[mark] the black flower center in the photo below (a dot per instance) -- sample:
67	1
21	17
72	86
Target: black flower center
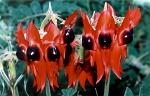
53	53
33	53
20	53
87	43
67	54
127	37
68	36
105	40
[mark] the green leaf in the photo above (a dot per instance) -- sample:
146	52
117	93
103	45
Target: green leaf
48	90
128	92
20	12
36	7
145	89
3	43
25	85
69	92
2	87
3	8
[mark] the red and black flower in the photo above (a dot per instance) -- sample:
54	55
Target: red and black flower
53	53
31	50
111	40
45	56
68	39
104	43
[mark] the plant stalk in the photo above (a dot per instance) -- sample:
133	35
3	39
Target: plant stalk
48	90
12	76
107	84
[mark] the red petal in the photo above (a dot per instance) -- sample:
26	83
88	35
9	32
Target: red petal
88	29
86	23
105	25
33	36
132	18
110	9
39	69
36	76
96	17
20	36
115	61
52	33
99	66
90	78
71	19
70	22
72	70
52	72
106	58
92	58
124	51
82	79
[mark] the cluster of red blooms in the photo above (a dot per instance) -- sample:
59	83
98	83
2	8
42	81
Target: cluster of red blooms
103	40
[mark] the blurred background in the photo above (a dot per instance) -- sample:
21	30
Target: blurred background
136	67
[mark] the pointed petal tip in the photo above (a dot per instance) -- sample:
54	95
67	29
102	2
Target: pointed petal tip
117	74
82	14
31	23
98	80
76	11
107	6
19	25
71	19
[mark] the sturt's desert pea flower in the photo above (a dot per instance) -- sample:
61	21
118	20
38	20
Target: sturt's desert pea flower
112	39
104	41
45	56
31	50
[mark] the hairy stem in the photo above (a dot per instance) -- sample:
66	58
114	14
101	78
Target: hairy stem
106	87
48	90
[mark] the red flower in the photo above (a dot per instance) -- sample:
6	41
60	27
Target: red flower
88	41
31	50
53	52
45	56
124	35
83	71
67	38
104	42
104	39
55	42
109	37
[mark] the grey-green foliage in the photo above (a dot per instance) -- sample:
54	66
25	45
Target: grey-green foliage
36	7
21	11
128	92
69	92
145	88
12	12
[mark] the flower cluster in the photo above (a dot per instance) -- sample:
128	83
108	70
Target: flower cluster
103	40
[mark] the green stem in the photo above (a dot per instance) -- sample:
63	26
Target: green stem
81	52
48	90
12	76
77	85
14	91
106	88
32	16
